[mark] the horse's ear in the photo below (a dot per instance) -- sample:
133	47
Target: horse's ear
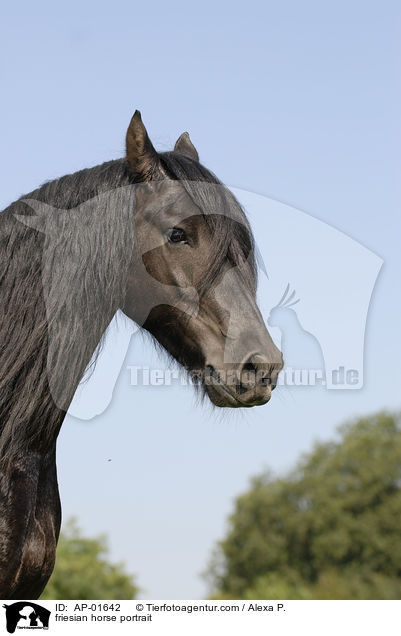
184	146
142	157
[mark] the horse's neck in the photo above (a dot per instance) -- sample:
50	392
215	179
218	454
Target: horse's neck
41	363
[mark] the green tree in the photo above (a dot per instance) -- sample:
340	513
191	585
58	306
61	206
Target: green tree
330	529
83	571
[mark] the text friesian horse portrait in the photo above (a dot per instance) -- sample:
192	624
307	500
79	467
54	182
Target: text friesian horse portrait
155	235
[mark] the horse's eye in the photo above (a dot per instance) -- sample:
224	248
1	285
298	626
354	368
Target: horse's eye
176	235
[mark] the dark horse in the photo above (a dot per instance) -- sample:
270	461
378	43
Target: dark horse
155	235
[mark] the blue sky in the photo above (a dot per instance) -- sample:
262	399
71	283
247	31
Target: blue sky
298	102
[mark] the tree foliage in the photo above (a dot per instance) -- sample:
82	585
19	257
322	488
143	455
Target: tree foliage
83	570
330	529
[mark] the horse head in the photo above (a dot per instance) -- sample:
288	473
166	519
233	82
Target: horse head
193	280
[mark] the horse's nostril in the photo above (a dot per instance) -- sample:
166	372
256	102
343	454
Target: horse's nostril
256	372
251	375
250	367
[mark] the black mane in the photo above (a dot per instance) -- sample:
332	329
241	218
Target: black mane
25	396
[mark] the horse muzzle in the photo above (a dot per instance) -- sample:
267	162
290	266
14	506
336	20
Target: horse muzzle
248	384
